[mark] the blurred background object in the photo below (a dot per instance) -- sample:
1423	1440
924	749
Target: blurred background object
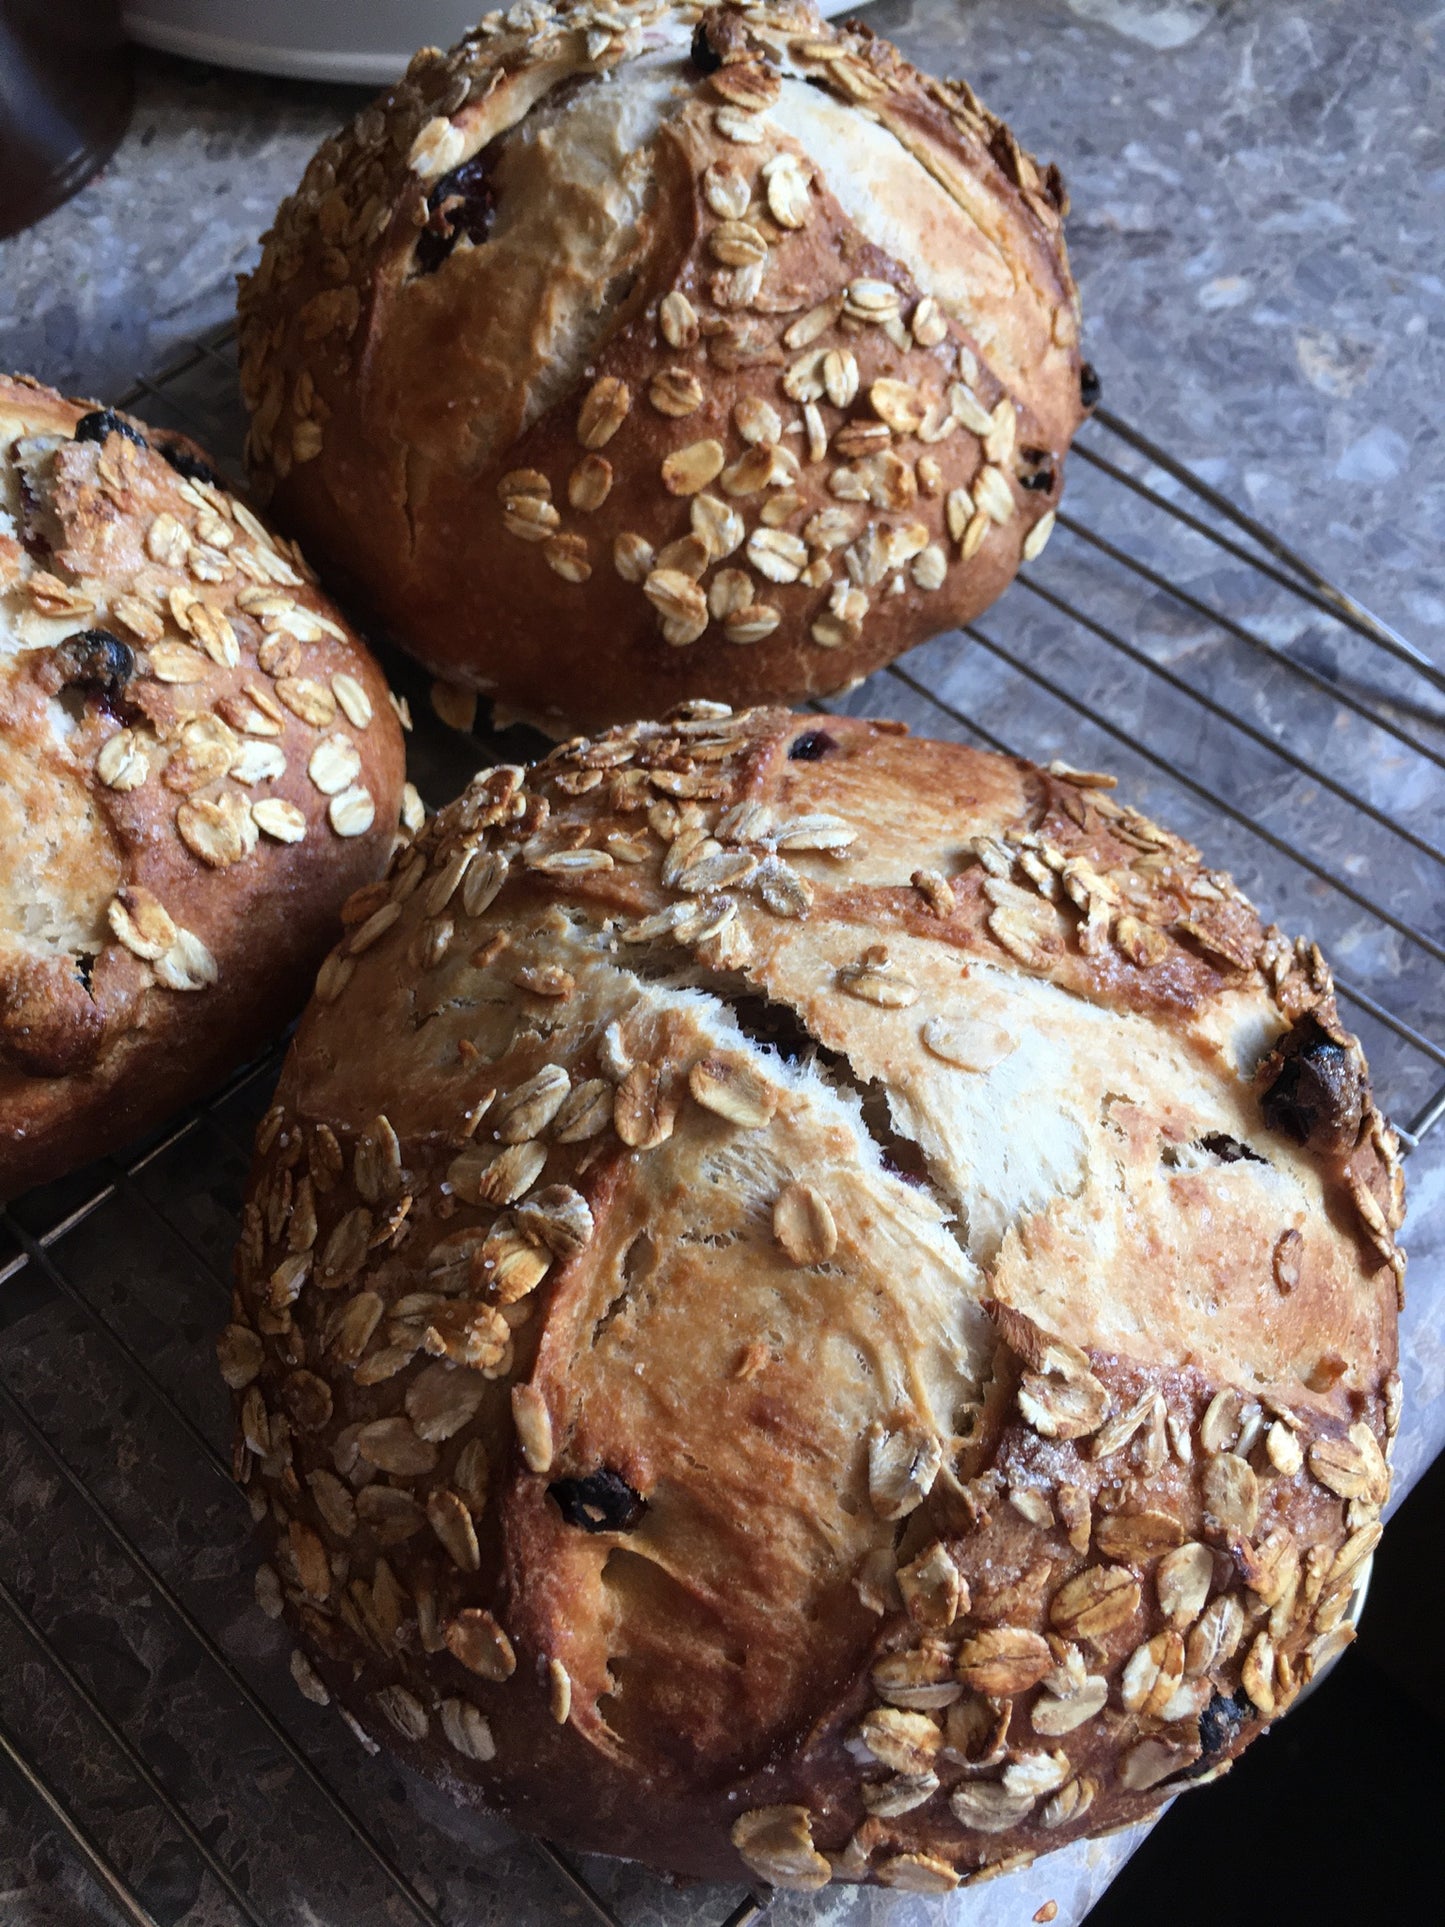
307	39
65	98
311	39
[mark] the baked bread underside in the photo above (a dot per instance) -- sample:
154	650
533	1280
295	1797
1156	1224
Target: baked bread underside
843	1313
628	355
198	762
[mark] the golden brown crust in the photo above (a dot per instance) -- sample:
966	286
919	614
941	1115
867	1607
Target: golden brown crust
185	721
772	458
846	1316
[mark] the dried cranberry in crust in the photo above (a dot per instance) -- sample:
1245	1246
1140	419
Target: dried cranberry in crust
97	658
704	55
463	202
1219	1726
1315	1094
101	423
1090	386
600	1501
811	746
191	466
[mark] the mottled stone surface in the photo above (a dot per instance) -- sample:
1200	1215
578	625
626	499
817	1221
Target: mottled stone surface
1259	191
147	254
1258	213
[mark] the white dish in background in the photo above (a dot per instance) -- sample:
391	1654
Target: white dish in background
314	39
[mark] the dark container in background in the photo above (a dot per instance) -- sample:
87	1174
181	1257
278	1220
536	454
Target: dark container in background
65	98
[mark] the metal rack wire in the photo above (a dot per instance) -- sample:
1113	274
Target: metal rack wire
1245	699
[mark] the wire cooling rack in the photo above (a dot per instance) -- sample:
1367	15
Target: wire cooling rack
144	1710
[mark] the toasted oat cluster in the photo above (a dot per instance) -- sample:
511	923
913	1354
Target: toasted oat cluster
632	353
815	1304
198	762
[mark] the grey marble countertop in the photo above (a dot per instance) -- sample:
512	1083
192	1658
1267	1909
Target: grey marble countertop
1259	200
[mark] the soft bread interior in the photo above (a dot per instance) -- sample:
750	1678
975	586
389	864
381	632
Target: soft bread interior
576	179
58	863
895	203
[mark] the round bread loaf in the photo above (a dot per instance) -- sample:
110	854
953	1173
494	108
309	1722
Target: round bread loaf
843	1323
198	762
630	354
